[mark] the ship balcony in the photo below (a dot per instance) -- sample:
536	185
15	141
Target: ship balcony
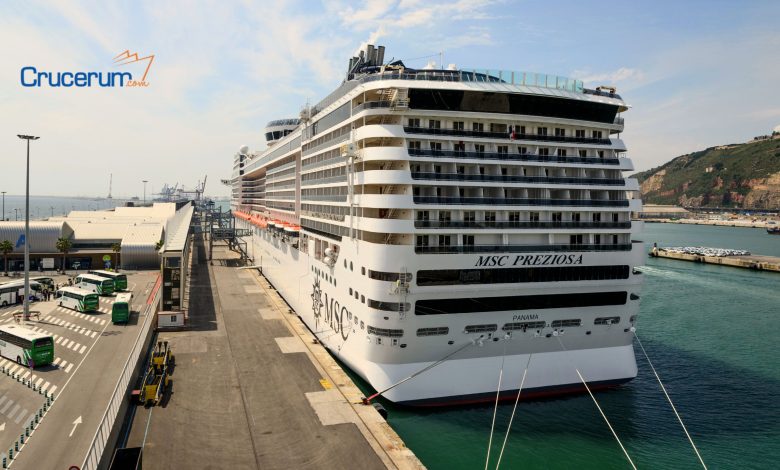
493	248
525	224
632	184
519	179
496	201
519	157
505	136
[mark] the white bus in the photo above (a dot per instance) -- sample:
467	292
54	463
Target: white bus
74	298
13	292
26	347
97	284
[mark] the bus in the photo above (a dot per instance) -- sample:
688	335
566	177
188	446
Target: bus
13	292
78	299
45	282
25	346
96	284
120	312
120	280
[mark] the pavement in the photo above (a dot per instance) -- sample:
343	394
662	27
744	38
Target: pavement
246	392
90	352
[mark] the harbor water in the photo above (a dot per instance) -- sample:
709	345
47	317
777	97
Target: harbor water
711	332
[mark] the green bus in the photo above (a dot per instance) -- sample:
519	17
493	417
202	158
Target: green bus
120	280
96	284
120	311
25	346
81	300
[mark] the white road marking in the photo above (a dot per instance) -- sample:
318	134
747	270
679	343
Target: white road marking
53	388
38	382
93	334
58	340
20	416
13	410
67	369
3	398
13	369
83	348
7	405
45	386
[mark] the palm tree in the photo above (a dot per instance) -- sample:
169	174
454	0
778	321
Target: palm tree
63	246
6	247
116	248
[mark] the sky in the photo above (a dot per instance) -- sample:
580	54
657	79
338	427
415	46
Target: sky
696	73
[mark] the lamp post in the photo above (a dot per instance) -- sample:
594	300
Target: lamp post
3	217
28	138
145	181
16	213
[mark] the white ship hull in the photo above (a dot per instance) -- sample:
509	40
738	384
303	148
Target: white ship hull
552	356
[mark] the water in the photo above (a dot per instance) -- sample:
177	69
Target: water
47	206
711	333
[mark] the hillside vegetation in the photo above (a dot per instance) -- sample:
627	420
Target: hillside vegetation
738	175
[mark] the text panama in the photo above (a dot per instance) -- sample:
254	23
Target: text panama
529	260
31	77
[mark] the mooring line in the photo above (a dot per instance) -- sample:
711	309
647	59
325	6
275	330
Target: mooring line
625	452
366	401
495	408
514	408
663	388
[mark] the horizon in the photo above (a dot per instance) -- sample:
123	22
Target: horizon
695	79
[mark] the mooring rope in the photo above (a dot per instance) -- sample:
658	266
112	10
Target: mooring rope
366	401
625	452
663	388
514	408
495	408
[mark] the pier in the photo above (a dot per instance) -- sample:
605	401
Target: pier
252	388
755	262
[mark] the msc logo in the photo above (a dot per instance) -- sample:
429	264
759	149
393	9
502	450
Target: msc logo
31	77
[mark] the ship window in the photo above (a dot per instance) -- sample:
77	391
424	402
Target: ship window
457	125
480	328
469	216
444	240
522	150
444	277
583	153
363	270
544	152
526	325
490	216
579	133
434	124
363	299
606	321
436	331
445	216
601	154
414	122
461	170
350	266
479	148
520	302
575	239
597	134
391	277
561	152
389	306
345	264
385	332
504	171
477	127
563	323
634	296
468	240
514	216
541	131
422	240
356	295
557	216
560	132
350	291
414	144
423	215
435	146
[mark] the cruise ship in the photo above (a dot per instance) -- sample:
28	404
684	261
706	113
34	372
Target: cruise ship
453	225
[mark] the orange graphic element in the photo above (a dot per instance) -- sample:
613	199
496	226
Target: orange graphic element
126	57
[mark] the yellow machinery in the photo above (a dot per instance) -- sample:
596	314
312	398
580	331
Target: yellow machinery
157	377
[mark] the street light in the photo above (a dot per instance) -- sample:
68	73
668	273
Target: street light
145	181
3	218
28	138
16	213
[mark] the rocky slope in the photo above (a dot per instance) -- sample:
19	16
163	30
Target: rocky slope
738	175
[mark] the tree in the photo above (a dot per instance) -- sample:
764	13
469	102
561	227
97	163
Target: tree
158	246
6	247
63	245
116	248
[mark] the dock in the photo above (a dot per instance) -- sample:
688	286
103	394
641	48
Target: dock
252	388
754	262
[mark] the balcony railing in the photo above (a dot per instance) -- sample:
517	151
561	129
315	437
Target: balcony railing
518	248
509	201
523	157
518	179
505	135
520	224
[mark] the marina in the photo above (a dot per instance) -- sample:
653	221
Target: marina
724	257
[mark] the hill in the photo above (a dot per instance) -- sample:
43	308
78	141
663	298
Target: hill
737	175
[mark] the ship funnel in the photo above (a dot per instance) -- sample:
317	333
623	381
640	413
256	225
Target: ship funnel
380	59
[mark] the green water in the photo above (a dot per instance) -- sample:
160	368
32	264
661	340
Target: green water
712	333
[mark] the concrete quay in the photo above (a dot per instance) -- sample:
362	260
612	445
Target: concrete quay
253	390
754	262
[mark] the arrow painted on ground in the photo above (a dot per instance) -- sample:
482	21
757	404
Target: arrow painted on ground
2	427
76	422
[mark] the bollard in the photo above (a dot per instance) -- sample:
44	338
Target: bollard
5	464
21	438
11	454
27	431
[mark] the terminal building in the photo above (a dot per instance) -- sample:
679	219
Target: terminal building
139	233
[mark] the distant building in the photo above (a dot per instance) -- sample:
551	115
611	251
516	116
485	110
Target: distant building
657	211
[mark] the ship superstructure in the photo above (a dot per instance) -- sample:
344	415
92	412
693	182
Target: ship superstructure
461	218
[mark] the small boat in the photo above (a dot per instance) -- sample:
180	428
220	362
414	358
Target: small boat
773	229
